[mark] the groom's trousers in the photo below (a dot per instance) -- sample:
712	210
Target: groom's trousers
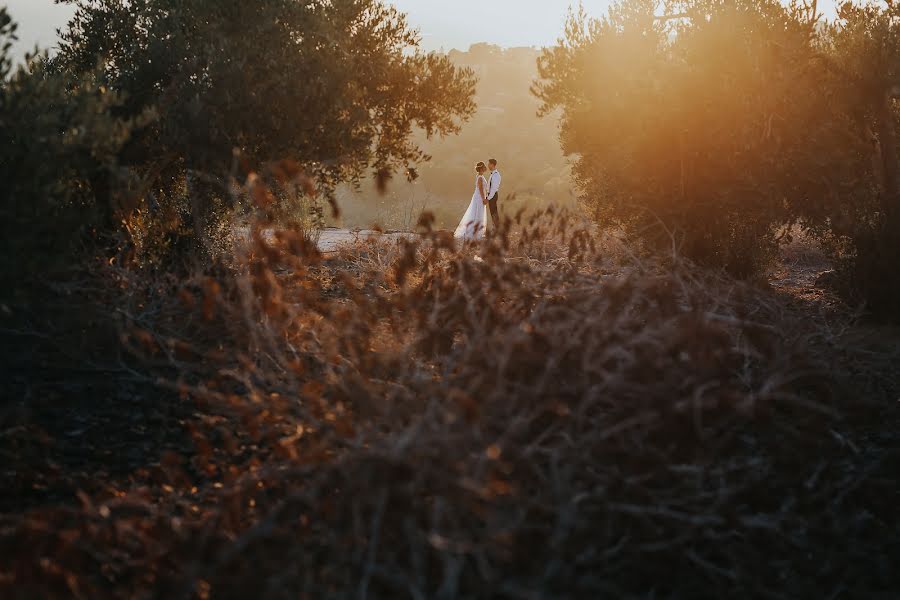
495	212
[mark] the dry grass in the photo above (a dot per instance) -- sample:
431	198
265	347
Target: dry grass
545	415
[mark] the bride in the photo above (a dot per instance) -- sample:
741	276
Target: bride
474	221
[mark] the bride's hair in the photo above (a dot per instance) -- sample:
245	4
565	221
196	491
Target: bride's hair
480	167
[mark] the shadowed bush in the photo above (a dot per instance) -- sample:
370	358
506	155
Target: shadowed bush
413	420
59	139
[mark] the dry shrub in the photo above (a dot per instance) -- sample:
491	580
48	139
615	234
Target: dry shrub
544	415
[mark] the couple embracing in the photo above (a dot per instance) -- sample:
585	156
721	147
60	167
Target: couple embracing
487	193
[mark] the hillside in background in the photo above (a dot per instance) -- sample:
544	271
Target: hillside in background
506	127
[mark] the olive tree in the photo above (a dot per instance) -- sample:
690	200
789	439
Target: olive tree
861	50
59	134
708	123
339	87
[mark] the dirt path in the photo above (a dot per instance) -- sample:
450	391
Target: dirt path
799	275
333	238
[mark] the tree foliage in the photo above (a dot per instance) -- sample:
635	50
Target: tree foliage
337	86
187	100
863	52
59	134
720	120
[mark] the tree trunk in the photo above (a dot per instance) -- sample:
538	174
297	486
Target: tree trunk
887	138
198	216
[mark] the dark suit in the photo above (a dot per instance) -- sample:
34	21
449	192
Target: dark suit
495	210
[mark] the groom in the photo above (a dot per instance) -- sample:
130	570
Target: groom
494	194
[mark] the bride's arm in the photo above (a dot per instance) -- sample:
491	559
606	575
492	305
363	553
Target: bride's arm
481	189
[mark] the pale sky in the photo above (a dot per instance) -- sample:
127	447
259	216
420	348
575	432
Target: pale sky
443	23
38	21
460	23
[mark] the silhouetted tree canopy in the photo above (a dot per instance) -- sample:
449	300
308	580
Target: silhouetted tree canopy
58	134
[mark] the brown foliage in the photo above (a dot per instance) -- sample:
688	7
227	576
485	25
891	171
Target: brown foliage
541	414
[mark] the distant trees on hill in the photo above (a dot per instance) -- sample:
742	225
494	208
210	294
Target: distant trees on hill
506	126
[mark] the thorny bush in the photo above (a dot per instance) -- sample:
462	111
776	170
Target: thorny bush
543	415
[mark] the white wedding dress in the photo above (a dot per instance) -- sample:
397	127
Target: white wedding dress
474	221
